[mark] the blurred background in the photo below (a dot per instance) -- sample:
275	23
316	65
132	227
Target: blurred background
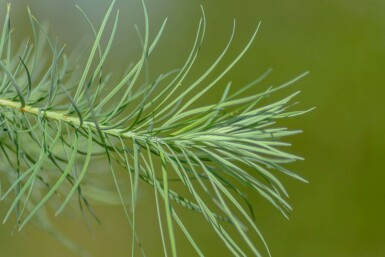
340	213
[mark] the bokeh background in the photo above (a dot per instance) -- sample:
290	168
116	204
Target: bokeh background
340	213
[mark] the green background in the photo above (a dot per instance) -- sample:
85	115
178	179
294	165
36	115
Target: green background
340	213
